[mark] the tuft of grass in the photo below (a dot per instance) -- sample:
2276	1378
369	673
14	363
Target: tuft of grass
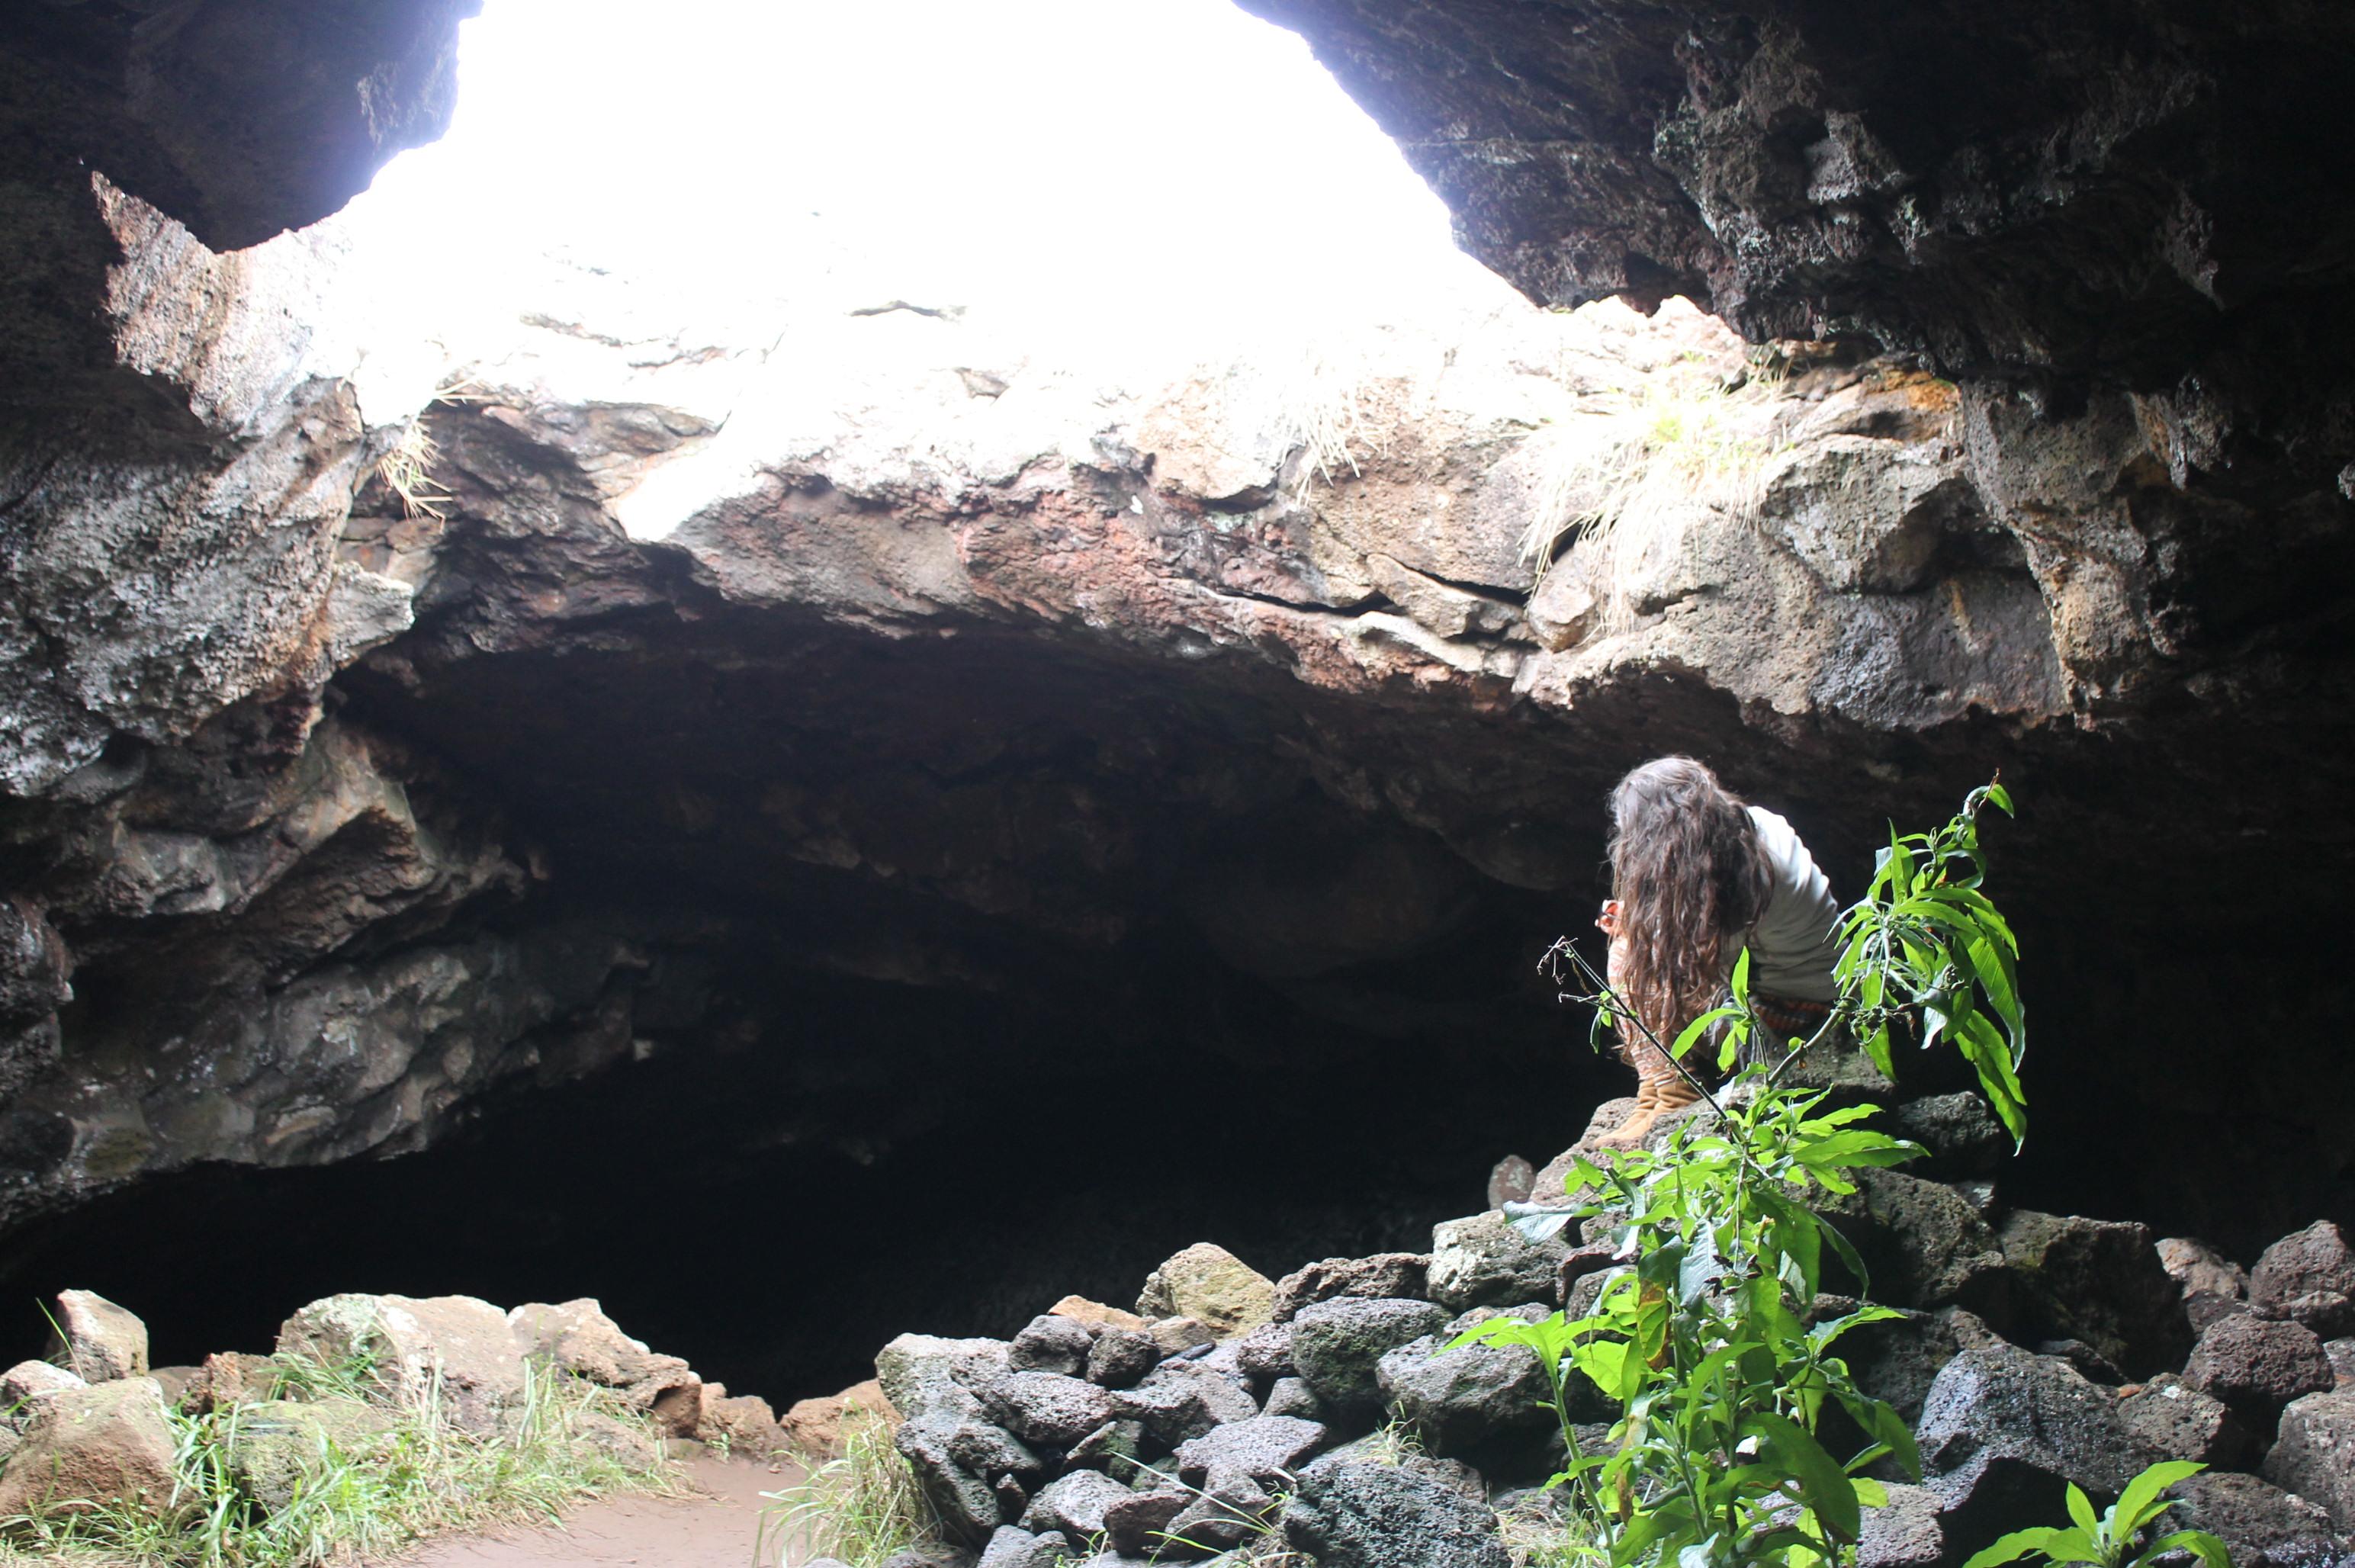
418	1476
1685	444
1536	1535
407	471
861	1508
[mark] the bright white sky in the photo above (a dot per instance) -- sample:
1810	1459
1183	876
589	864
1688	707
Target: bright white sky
1123	166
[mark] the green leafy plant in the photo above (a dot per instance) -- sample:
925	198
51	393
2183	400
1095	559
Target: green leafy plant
1718	1457
2110	1540
860	1507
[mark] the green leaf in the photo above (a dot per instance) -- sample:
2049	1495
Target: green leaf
2198	1542
1826	1488
2081	1509
1870	1493
2073	1546
2140	1502
2012	1548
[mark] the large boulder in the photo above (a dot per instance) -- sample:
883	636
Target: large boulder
1182	1399
2002	1431
1212	1285
577	1337
1904	1532
1362	1515
105	1442
1050	1343
281	1445
919	1374
815	1426
2314	1454
1074	1505
1482	1261
1338	1345
2099	1281
2308	1275
97	1338
453	1348
1458	1400
2258	1365
2261	1525
1383	1276
1928	1247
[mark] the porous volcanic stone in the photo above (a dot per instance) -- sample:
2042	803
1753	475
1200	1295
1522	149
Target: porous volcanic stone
1075	1505
2258	1365
1458	1400
1051	1344
919	1373
579	1337
1047	1407
2314	1454
1928	1246
1113	1448
1383	1276
1212	1285
1292	1396
1337	1345
1179	1400
1905	1534
1266	1353
28	1380
1363	1515
1267	1448
2176	1422
1134	1523
2212	1285
2099	1281
2261	1525
2003	1430
455	1347
1961	1134
940	1445
2308	1275
1121	1355
1482	1260
280	1443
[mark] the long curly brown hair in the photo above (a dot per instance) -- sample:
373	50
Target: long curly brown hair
1690	880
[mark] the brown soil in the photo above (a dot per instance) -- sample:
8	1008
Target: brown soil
716	1528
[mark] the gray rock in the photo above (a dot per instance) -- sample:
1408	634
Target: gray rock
1121	1355
930	1554
2176	1422
1383	1276
1267	1448
1586	1259
2342	1359
1212	1285
2258	1365
1385	1448
1382	1516
2212	1285
1047	1407
1458	1400
1294	1397
1897	1360
1511	1180
452	1348
1482	1260
2003	1430
1179	1400
2308	1275
2314	1454
2261	1525
1011	1546
1338	1345
1905	1534
99	1340
1928	1247
1051	1344
1136	1523
919	1373
1266	1353
2098	1281
1961	1134
966	1501
1232	1510
1074	1506
1113	1448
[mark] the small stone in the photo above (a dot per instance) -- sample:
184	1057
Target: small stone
1267	1448
99	1340
1179	1400
1051	1344
2212	1285
1113	1448
1511	1181
1902	1533
1383	1276
1382	1516
2341	1353
1074	1506
1120	1357
1212	1285
1134	1523
1292	1396
2180	1422
1079	1309
1047	1407
28	1380
2258	1365
740	1424
1266	1353
1175	1335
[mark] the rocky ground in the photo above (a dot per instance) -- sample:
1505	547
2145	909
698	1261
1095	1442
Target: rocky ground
1231	1416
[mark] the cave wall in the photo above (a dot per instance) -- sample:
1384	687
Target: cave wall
333	827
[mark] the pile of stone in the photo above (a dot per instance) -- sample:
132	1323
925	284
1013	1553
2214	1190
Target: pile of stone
1230	1414
88	1425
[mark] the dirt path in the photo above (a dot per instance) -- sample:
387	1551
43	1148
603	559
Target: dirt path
715	1530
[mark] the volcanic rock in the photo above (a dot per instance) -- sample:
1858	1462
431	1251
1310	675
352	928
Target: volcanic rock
1337	1346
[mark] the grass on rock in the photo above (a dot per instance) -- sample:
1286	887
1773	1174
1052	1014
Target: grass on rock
861	1508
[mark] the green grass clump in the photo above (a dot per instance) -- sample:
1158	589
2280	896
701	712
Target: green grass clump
861	1508
414	1476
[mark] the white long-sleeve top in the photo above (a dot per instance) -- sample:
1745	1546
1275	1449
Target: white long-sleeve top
1795	942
